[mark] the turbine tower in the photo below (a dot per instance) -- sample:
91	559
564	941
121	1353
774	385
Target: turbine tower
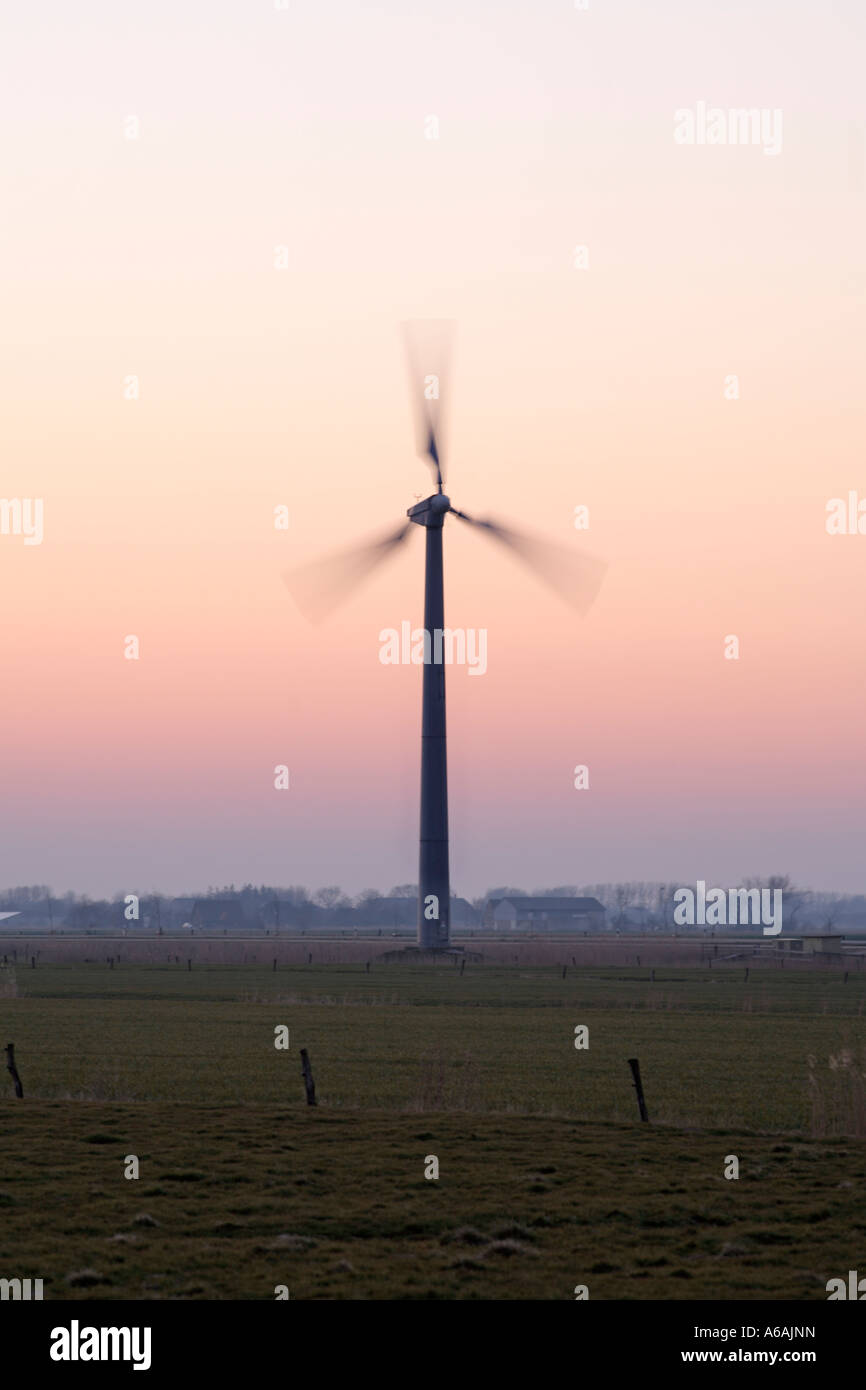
319	587
434	880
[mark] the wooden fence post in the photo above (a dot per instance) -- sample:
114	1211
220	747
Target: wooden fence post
13	1070
307	1072
635	1071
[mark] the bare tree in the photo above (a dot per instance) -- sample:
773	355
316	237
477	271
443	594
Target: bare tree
797	900
621	895
328	897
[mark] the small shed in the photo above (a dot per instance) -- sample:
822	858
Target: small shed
828	944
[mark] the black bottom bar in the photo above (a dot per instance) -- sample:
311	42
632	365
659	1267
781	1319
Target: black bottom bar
222	1339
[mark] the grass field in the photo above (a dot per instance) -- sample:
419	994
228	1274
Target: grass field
547	1177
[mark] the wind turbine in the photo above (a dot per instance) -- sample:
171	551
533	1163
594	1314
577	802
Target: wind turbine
319	587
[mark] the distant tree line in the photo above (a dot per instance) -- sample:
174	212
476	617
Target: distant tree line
633	905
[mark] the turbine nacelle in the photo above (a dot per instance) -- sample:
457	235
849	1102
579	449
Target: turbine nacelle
430	512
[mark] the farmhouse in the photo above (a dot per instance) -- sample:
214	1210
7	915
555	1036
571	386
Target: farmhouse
544	914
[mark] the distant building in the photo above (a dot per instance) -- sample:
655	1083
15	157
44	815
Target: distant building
218	914
463	914
824	945
403	912
544	914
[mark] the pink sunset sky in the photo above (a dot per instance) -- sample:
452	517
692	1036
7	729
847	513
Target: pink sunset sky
602	387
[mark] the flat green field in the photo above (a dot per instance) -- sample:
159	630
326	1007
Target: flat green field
547	1178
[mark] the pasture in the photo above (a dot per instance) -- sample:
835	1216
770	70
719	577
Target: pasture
547	1177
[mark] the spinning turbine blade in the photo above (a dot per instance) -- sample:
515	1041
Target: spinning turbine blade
320	587
427	353
575	576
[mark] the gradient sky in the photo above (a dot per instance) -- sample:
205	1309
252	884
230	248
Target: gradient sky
603	387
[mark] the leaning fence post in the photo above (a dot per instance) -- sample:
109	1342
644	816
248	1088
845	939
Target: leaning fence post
309	1083
635	1071
13	1070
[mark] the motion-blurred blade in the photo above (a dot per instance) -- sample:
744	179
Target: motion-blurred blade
576	576
320	587
428	346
